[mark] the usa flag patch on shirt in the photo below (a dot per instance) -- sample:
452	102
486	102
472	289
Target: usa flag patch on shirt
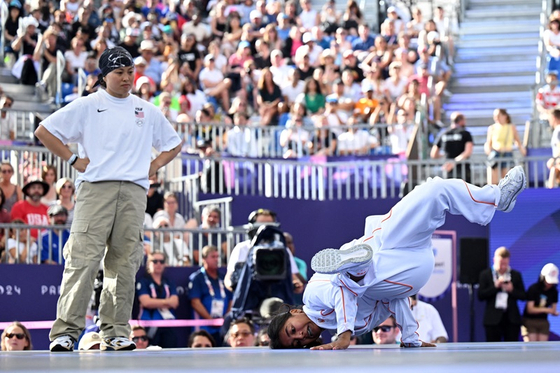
138	112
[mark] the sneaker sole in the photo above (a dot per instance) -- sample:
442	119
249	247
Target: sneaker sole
511	204
333	261
59	348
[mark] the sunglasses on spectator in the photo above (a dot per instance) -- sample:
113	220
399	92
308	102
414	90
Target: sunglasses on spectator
164	226
7	171
383	328
243	333
17	335
158	261
141	338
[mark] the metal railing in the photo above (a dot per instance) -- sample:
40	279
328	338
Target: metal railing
182	247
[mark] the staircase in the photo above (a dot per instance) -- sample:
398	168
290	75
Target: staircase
495	63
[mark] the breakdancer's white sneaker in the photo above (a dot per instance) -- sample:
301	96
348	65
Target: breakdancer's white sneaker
510	186
353	260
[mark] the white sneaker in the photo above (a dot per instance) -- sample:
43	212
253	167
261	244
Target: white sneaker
117	344
334	261
63	343
510	186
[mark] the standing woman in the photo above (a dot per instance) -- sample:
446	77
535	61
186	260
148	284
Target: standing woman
542	299
49	177
499	145
65	191
115	132
12	192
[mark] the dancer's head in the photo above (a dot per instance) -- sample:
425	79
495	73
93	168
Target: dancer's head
293	329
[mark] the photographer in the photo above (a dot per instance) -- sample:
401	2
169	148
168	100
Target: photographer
501	287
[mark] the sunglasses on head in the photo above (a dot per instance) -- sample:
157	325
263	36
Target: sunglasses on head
158	261
17	335
383	328
141	338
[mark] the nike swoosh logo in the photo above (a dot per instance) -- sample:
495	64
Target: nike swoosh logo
101	111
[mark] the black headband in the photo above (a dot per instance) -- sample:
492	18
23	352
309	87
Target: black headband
112	59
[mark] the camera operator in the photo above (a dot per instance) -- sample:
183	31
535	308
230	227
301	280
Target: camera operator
501	287
239	253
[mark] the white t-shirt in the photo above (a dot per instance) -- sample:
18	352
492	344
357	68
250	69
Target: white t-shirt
354	141
197	100
554	38
31	250
212	76
116	134
396	90
78	61
555	141
292	92
7	125
430	325
308	18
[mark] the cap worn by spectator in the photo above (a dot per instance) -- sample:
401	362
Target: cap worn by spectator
140	61
36	182
307	37
141	81
347	54
244	44
367	87
391	9
327	53
30	21
550	273
159	220
208	58
57	210
330	99
147	45
90	341
133	32
255	14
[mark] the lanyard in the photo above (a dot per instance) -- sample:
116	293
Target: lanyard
154	294
211	288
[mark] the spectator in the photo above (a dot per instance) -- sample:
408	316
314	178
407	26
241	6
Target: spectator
232	35
21	247
195	96
323	141
262	338
139	336
242	54
214	83
553	163
90	341
499	145
241	141
271	37
548	96
7	120
31	211
313	49
75	60
158	300
430	326
393	16
219	21
208	295
416	24
241	333
352	17
45	54
355	141
196	27
12	192
170	208
16	337
294	138
308	17
284	27
153	67
280	71
173	247
26	43
165	105
48	175
335	117
211	217
501	287
262	58
457	146
396	83
130	41
11	26
54	239
330	17
399	132
312	96
364	42
551	39
201	339
268	98
293	88
386	333
4	218
542	299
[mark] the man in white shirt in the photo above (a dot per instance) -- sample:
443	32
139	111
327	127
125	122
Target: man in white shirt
430	326
7	121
